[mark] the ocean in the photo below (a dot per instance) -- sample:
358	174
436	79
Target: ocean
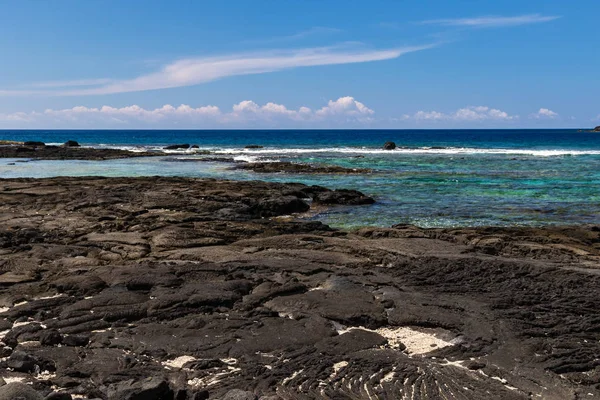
435	178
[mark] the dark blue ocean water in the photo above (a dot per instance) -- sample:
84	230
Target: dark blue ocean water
434	178
489	138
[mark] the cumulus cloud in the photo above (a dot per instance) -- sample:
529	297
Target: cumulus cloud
343	110
544	113
492	21
471	113
132	112
194	71
346	106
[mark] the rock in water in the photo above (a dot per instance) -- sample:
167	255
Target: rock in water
286	166
389	146
177	146
597	129
71	143
254	146
34	143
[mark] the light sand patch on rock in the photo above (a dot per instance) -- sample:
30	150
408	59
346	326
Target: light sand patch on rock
212	379
417	342
178	362
337	367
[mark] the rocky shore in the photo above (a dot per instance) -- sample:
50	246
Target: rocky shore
172	288
40	151
289	167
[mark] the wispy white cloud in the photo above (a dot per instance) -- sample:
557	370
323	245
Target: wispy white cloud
544	113
492	21
194	71
314	31
471	113
65	84
343	110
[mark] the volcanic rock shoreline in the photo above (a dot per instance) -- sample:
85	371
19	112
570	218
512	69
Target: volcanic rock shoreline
40	151
172	288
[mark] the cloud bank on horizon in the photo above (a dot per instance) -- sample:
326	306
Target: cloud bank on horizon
345	111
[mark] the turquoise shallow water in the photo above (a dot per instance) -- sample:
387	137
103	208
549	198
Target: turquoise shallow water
435	178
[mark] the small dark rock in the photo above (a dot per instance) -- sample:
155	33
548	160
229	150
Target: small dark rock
153	388
177	146
289	167
389	146
254	146
5	325
194	146
204	364
71	143
342	197
59	396
20	391
34	143
21	362
199	395
50	338
237	394
474	365
5	351
387	303
283	205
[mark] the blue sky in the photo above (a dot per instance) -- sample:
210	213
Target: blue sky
299	64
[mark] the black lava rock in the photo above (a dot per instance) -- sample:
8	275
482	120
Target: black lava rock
21	391
50	338
21	362
59	396
389	146
237	394
153	388
71	143
177	146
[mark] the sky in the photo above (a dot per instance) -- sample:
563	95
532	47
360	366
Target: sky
94	64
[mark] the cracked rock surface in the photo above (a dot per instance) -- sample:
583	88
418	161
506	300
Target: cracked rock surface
172	288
